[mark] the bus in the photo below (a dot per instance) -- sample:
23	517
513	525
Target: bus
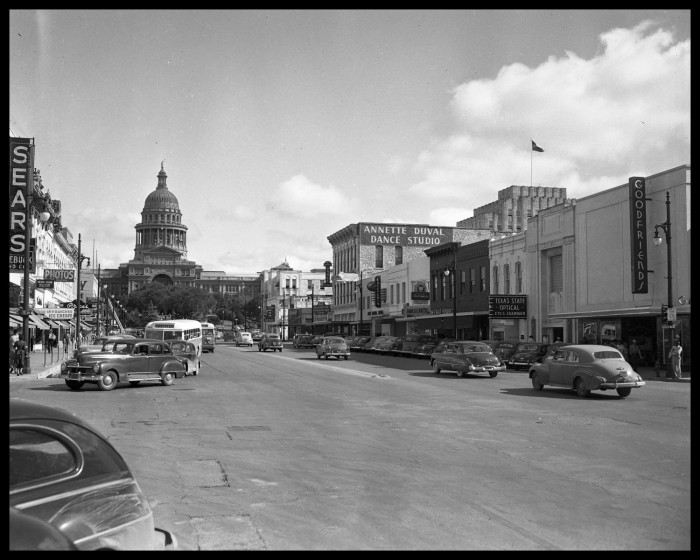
208	337
177	329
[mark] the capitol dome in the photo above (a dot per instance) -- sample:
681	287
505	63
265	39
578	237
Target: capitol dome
161	199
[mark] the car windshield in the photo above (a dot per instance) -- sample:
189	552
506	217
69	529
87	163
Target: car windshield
476	348
528	347
607	355
335	341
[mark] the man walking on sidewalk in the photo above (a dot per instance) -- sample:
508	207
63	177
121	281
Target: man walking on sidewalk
675	355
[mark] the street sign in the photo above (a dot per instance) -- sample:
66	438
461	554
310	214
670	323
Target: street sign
67	275
44	284
56	313
671	314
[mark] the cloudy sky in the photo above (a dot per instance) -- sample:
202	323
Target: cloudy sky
279	128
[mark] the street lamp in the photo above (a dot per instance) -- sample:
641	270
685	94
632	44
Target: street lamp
245	319
452	271
313	314
666	227
79	261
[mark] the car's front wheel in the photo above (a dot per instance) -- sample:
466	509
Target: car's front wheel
624	392
493	373
581	390
460	373
167	378
75	385
346	357
537	385
108	381
436	368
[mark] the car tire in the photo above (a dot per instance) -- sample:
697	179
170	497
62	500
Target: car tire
318	356
108	381
436	368
167	378
536	385
346	357
581	390
134	383
74	385
624	392
460	373
493	373
325	356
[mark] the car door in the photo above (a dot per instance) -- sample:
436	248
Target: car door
569	368
137	364
158	354
561	367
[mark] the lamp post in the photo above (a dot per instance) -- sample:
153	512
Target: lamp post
97	313
43	217
245	319
79	261
452	271
361	310
313	315
666	227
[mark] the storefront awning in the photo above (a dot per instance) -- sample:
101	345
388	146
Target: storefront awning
15	320
34	320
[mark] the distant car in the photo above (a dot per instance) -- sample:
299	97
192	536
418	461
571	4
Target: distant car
314	340
466	356
503	349
188	351
270	341
244	339
219	335
585	368
397	346
306	341
367	344
257	336
332	347
63	472
357	342
140	359
98	343
527	353
413	341
426	349
383	344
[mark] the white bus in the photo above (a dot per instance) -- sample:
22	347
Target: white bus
208	337
177	329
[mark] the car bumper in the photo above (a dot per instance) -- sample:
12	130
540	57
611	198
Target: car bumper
621	384
488	368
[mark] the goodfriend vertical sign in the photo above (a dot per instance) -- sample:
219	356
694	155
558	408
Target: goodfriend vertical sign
638	234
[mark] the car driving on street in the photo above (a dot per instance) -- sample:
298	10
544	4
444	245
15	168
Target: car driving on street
464	356
332	347
270	341
585	368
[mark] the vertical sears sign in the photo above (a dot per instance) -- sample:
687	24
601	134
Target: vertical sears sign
638	234
21	177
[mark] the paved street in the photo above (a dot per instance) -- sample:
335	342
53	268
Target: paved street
280	451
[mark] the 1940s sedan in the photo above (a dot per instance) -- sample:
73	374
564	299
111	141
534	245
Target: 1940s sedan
138	360
72	489
585	368
464	356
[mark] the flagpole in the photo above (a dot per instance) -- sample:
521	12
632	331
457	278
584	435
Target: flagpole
531	150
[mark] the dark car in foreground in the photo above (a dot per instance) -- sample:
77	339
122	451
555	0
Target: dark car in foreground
270	341
140	359
526	354
585	368
465	356
65	473
332	347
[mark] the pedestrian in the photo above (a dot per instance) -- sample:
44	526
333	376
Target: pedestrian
50	341
622	349
20	355
14	337
66	342
636	358
675	355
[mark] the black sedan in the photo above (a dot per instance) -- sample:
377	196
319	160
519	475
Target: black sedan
66	474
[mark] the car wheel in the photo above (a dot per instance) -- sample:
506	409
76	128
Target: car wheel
436	368
325	356
167	378
108	381
75	385
624	392
318	356
280	349
493	373
134	383
581	390
259	349
536	385
460	373
346	357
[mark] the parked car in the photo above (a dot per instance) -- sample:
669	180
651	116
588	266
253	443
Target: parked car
307	341
503	349
243	339
527	353
332	347
295	340
65	473
357	343
188	351
367	344
98	343
425	350
315	340
397	346
257	336
270	341
140	359
585	368
466	356
383	344
413	341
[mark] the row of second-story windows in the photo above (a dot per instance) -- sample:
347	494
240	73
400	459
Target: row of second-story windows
397	293
505	288
442	284
379	255
176	271
162	219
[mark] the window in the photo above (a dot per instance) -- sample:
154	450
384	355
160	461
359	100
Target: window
495	280
398	252
36	457
435	287
518	278
462	282
472	280
482	279
555	271
378	256
506	278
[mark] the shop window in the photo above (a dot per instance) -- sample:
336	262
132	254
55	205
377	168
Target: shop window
506	279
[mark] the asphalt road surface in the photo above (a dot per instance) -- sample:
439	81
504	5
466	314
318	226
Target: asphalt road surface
281	451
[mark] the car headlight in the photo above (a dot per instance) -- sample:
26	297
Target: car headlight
96	368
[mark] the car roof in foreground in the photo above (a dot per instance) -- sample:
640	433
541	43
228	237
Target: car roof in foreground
23	409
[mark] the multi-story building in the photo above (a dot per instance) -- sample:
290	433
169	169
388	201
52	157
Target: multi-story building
507	259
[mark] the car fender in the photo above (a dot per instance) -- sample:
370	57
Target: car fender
542	373
591	382
173	366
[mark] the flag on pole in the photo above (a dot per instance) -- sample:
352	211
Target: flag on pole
535	147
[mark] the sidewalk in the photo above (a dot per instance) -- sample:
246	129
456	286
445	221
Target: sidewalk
41	371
